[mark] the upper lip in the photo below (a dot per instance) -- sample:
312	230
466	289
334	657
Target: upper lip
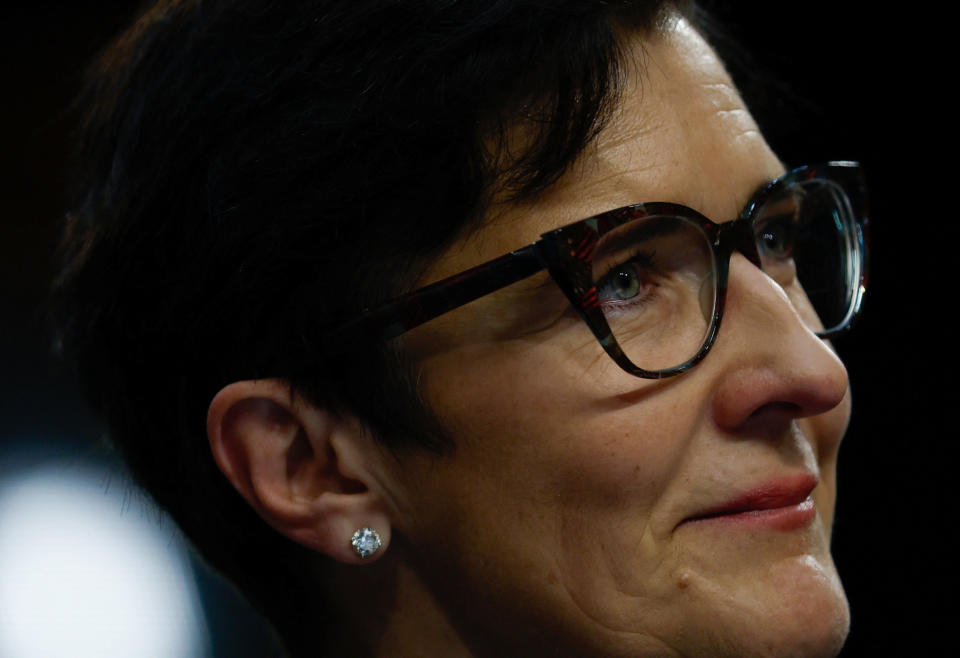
772	494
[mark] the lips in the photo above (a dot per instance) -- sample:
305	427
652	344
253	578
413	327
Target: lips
782	504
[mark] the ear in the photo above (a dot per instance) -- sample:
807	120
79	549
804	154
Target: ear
308	472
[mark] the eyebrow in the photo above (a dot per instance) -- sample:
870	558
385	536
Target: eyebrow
633	233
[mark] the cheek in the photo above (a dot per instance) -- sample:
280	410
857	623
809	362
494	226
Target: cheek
578	463
534	409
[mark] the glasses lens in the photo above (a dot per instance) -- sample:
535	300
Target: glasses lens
808	243
656	284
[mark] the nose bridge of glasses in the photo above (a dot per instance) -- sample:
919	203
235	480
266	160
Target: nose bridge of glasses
738	235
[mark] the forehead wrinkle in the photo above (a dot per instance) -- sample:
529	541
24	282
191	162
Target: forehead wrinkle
722	94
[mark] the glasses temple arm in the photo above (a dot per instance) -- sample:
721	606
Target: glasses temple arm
415	308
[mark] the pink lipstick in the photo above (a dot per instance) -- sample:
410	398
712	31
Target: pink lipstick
781	504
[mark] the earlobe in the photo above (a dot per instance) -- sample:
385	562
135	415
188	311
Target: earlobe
305	470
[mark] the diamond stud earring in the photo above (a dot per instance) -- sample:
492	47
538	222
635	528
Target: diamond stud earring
366	542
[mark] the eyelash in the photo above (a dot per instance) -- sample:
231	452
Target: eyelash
646	258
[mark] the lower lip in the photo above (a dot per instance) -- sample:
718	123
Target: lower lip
790	517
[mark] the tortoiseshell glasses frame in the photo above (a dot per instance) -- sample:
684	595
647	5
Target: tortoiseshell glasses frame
567	253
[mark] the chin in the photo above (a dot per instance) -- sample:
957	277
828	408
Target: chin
816	615
795	609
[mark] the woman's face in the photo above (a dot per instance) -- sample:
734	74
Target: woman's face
566	520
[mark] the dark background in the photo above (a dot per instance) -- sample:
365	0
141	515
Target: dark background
848	82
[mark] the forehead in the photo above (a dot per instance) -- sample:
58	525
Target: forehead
681	133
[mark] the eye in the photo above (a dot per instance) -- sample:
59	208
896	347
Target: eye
776	237
627	281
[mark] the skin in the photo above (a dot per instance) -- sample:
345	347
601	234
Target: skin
557	525
561	508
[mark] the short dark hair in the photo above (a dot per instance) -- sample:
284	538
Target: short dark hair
251	173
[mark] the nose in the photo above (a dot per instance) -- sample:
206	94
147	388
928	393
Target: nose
771	367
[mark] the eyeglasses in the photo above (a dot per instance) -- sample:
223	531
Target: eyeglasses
650	279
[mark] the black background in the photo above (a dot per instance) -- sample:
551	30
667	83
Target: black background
875	87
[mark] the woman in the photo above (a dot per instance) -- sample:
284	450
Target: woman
561	452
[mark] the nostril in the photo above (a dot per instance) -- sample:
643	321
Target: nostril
781	408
